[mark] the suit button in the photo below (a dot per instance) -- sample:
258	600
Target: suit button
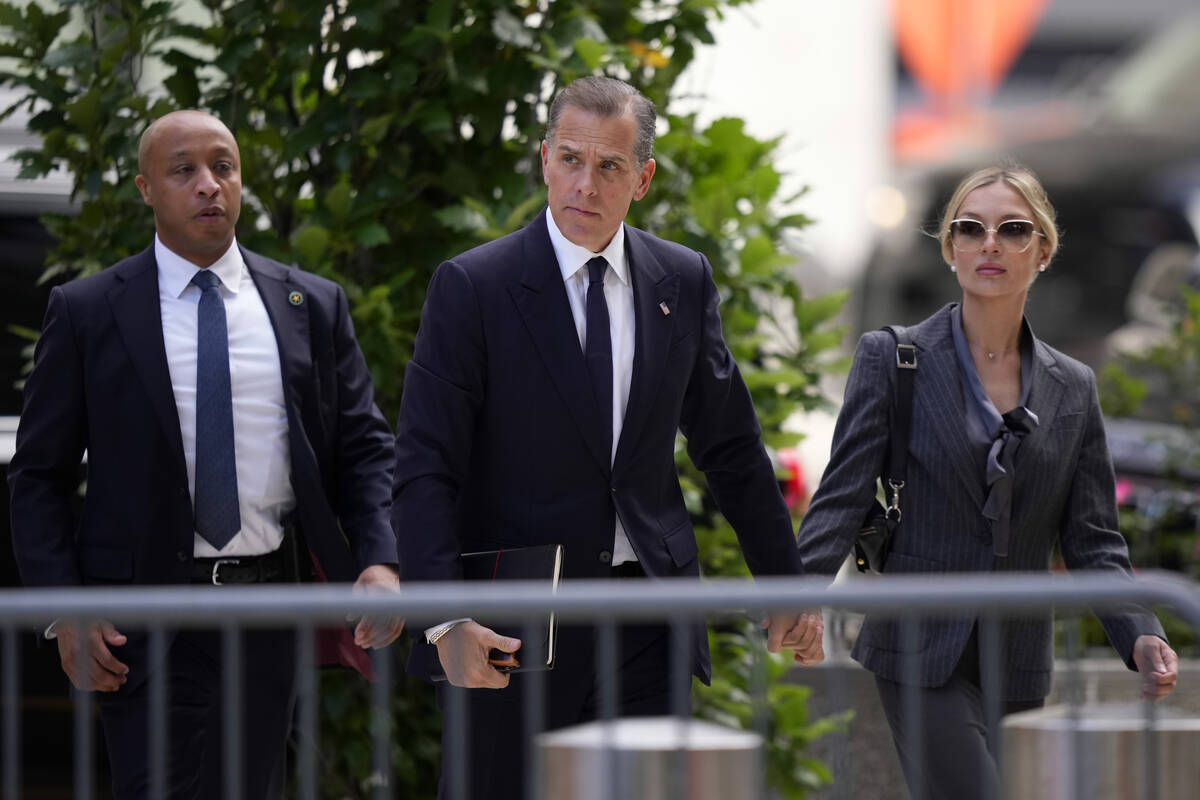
614	490
182	491
605	557
182	555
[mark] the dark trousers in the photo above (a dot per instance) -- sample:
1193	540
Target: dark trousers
488	756
953	754
195	717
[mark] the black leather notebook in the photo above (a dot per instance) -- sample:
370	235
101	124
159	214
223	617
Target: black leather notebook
537	563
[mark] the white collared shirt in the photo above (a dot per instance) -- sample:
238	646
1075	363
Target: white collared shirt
260	425
618	294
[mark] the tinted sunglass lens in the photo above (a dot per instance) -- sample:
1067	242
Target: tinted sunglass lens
968	230
1016	231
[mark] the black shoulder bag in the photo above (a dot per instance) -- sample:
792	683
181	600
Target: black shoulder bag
874	540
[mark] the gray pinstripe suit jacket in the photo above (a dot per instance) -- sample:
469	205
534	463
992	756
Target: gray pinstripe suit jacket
1063	492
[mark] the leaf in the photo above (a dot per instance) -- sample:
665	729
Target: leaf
372	235
511	30
440	13
759	250
10	16
524	212
374	129
435	121
820	309
184	88
29	334
310	243
339	198
591	51
461	218
72	55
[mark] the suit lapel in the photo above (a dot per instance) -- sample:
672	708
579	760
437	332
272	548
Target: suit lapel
541	299
1045	394
138	314
939	391
287	306
652	286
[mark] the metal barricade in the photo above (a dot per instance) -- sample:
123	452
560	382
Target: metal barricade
232	610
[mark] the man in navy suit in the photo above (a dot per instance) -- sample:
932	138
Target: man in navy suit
551	372
230	430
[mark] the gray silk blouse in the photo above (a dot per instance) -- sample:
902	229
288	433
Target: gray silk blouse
995	438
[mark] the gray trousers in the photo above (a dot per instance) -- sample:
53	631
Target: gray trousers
942	735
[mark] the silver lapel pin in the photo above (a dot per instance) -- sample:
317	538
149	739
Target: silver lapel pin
666	311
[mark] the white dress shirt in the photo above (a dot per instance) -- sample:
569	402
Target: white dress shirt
260	425
618	294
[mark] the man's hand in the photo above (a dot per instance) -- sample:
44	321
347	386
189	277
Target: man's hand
374	631
801	633
464	656
103	672
1158	666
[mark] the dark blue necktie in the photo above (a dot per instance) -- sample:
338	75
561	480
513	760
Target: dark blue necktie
598	351
217	516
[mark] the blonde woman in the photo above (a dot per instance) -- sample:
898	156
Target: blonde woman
1007	458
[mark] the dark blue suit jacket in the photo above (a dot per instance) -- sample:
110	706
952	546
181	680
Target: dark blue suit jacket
100	383
498	445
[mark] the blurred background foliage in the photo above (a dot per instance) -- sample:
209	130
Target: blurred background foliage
380	138
1161	520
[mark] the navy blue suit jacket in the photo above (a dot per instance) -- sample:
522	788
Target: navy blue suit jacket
498	444
100	383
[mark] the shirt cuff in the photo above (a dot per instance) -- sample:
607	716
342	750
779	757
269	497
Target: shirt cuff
432	628
50	633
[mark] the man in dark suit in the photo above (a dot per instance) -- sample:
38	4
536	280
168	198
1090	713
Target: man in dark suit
230	430
552	370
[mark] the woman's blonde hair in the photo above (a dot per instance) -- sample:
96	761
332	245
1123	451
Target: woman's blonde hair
1020	178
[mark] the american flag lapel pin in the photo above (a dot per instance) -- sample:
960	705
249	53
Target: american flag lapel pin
666	311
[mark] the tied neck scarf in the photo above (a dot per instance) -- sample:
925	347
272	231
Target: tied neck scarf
1004	432
1014	426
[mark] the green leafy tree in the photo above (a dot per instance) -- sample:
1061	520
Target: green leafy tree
717	191
378	139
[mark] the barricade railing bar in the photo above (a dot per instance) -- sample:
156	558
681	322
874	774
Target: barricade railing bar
303	608
898	595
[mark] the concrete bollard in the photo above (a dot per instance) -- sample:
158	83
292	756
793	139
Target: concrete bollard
650	758
1100	752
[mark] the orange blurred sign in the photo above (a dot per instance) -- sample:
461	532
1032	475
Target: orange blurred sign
956	48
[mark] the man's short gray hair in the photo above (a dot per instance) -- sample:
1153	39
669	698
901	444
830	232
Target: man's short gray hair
607	97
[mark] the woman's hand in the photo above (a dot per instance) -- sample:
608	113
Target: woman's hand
1158	666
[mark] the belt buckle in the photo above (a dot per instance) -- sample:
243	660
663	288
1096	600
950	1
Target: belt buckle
217	565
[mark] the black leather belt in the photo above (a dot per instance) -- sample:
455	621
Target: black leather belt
268	568
628	569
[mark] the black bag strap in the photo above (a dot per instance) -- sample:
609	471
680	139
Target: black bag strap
906	372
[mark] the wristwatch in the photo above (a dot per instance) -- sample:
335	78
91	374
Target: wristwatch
441	631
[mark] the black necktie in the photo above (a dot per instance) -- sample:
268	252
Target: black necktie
217	515
598	351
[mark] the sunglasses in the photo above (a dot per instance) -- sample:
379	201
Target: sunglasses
1014	234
